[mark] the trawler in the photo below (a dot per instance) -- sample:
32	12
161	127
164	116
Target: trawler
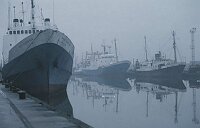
160	67
36	57
104	64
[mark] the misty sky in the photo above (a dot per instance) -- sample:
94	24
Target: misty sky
88	22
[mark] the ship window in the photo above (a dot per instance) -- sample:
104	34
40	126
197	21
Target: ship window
33	31
18	32
22	31
26	31
14	32
29	31
10	32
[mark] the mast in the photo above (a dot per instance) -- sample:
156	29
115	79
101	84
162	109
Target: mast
145	48
117	105
174	46
147	103
92	53
91	49
104	49
23	12
115	41
53	13
33	14
9	16
14	12
42	17
176	108
192	31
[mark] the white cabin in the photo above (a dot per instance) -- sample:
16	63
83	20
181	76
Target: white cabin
19	30
158	63
101	60
105	60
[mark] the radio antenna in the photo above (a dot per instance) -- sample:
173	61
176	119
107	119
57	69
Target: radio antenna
53	13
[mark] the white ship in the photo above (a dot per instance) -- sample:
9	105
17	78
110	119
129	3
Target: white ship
104	64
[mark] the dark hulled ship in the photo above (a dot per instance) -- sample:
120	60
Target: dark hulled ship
160	67
36	58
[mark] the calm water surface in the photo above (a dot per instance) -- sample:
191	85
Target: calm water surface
122	103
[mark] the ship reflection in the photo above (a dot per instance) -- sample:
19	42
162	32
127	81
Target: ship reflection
161	88
117	83
155	100
102	89
194	83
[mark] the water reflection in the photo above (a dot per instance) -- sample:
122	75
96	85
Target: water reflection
135	102
161	88
194	84
98	88
117	83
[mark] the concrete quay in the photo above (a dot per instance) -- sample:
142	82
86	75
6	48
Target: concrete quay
28	113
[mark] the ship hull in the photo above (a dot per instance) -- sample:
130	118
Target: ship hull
192	73
173	72
41	70
114	70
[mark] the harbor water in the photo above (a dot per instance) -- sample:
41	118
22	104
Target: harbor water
132	103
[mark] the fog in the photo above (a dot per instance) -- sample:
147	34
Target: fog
88	22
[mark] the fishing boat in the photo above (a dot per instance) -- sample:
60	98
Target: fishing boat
160	67
36	57
104	64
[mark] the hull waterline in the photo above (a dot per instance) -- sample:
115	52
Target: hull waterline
172	72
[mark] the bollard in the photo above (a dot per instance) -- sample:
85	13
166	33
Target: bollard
15	90
22	95
6	85
12	88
